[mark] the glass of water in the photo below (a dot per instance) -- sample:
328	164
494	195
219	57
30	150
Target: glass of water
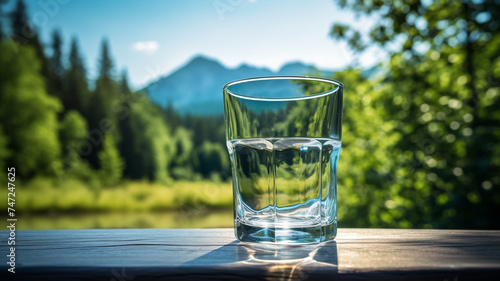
284	136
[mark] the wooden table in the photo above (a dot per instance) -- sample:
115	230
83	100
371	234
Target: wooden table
214	254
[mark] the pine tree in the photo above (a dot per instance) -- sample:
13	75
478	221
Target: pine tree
75	60
2	2
46	69
105	63
127	145
55	81
124	87
22	32
107	91
103	101
76	93
172	117
19	18
56	58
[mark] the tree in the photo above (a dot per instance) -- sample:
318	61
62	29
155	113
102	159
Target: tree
2	2
75	59
154	148
106	92
24	33
102	103
56	68
56	58
110	162
105	63
440	93
20	26
182	164
73	129
72	135
124	87
4	152
463	25
28	113
76	94
211	158
184	146
127	145
364	168
172	117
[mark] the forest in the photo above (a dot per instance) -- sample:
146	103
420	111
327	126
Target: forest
420	146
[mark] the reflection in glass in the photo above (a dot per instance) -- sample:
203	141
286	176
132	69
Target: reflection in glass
284	137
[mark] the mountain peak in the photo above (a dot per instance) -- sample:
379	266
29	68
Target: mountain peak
196	87
294	64
202	59
294	68
244	66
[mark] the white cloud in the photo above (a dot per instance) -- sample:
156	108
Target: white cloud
146	46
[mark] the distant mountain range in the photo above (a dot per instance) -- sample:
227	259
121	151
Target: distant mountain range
196	87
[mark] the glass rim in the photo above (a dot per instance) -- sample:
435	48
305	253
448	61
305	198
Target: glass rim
306	78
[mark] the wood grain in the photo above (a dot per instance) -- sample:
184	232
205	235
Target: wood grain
214	254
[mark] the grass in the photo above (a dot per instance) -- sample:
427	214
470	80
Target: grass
43	195
166	219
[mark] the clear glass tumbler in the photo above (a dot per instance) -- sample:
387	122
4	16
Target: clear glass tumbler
284	136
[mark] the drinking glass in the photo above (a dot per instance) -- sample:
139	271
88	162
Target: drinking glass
283	136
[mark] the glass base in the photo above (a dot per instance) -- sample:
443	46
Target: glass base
295	235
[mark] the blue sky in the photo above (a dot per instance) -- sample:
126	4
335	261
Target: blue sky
154	37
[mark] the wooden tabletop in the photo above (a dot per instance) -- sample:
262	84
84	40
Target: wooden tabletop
214	254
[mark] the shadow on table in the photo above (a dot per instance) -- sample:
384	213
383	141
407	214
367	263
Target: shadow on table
283	262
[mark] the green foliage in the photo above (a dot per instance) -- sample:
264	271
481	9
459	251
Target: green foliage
76	93
22	33
105	63
184	146
98	136
56	58
4	152
438	23
363	163
153	146
2	35
354	37
19	18
436	106
101	111
28	113
55	81
73	129
204	128
203	218
110	161
173	117
419	144
190	133
211	158
42	195
73	135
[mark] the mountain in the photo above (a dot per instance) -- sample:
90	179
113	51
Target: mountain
196	87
